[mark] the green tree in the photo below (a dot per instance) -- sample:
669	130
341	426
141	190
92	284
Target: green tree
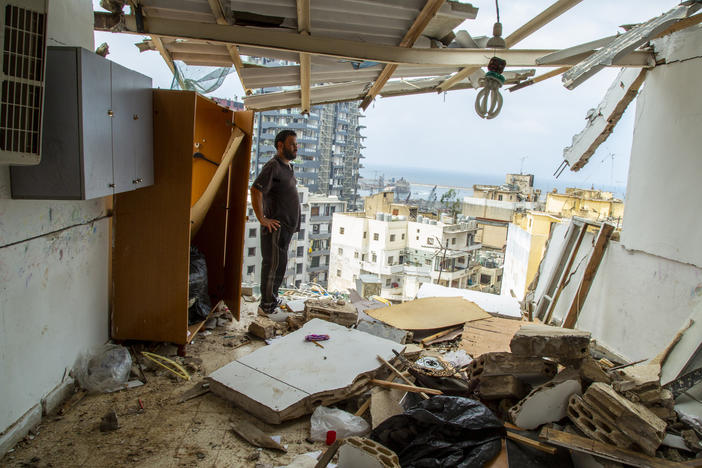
450	203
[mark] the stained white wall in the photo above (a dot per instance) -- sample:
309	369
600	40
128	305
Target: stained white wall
638	302
662	212
53	268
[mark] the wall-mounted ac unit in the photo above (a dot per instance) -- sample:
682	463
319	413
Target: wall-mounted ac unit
23	48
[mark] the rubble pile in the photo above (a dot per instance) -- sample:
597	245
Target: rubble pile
535	391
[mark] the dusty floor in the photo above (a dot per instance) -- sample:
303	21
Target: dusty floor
165	433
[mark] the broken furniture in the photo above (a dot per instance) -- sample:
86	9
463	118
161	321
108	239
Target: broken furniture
152	226
290	377
97	130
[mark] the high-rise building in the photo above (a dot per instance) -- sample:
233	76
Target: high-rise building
329	147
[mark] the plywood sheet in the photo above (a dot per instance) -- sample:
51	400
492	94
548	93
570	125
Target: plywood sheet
290	377
489	335
429	313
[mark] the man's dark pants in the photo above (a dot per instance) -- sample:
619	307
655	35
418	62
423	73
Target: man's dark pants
274	250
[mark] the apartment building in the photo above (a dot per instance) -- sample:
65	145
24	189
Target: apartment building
595	205
308	255
329	147
402	253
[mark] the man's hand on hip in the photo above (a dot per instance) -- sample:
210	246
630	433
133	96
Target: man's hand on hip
271	224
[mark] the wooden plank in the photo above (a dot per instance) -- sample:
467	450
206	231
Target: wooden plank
164	53
565	276
600	449
363	408
433	337
152	233
620	94
236	214
592	265
222	16
401	375
430	9
328	454
407	388
489	335
549	14
535	444
539	79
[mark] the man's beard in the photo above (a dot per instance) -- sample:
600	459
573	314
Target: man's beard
289	155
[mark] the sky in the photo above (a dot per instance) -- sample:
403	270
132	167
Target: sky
442	131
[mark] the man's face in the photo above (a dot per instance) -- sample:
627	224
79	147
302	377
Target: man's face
290	148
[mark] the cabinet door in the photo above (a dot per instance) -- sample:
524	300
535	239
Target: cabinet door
96	132
143	132
123	142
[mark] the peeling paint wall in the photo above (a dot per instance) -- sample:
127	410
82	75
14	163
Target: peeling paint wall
516	262
54	268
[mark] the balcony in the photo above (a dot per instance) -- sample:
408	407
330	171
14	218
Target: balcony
320	235
319	219
317	269
316	253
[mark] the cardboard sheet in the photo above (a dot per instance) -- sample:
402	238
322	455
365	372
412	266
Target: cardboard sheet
429	313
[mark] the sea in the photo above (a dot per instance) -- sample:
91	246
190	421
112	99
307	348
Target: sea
422	181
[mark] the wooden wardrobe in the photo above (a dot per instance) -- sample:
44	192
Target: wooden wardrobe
152	226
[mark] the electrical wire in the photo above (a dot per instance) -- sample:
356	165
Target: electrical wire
497	7
177	370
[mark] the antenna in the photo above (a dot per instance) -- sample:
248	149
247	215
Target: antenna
521	167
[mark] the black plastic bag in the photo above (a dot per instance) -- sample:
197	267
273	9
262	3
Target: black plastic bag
442	432
198	296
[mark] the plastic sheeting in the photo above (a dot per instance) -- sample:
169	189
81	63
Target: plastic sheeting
444	431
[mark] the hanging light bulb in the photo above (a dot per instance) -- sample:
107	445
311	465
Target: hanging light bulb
496	41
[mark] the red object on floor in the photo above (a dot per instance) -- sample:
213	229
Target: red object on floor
331	437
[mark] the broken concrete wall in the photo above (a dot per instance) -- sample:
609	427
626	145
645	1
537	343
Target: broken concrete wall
514	275
661	216
53	268
638	302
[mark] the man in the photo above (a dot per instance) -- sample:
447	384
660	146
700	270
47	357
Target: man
277	207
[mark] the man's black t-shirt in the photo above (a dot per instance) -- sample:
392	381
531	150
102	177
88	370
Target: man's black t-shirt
277	183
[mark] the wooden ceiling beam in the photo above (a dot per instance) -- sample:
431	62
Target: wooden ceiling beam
223	16
537	22
431	8
304	27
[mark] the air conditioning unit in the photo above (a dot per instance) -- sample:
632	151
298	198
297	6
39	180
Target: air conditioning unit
22	80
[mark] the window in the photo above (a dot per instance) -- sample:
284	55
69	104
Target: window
484	279
376	236
341	230
298	283
252	251
302	218
338	273
499	277
301	234
252	232
300	251
355	255
315	229
391	259
365	234
499	197
251	212
417	237
374	257
315	262
298	268
395	212
341	251
392	237
251	269
430	241
453	241
403	236
314	211
427	262
387	282
363	257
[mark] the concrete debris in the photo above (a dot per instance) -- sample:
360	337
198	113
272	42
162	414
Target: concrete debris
548	402
643	427
547	341
109	422
501	363
254	435
500	387
383	330
591	371
262	327
331	310
587	419
365	453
